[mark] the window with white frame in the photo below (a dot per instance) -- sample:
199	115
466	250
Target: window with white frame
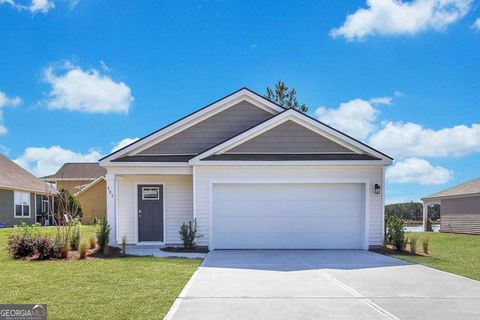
22	204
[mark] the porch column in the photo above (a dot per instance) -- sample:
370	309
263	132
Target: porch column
111	207
425	215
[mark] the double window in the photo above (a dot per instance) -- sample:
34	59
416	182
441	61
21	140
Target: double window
22	204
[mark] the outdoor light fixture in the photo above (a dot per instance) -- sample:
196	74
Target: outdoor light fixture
377	189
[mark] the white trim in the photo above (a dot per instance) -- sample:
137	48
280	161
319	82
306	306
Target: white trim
301	120
163	184
88	186
292	163
436	200
241	95
142	164
140	170
366	182
383	204
194	193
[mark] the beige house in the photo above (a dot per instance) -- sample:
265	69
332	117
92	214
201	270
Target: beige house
87	182
459	208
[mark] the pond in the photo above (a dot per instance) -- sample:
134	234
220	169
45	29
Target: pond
419	228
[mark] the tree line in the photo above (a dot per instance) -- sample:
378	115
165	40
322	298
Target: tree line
411	211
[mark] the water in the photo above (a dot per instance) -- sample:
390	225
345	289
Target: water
419	228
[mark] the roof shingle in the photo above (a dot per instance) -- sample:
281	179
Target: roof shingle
12	176
467	188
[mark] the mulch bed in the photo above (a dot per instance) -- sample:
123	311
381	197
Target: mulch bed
181	249
91	254
390	250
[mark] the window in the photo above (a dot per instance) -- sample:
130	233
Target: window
150	193
22	204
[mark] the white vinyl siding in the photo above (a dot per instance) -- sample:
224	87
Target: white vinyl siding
178	204
22	207
205	175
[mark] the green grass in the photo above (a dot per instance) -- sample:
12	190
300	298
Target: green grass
455	253
120	288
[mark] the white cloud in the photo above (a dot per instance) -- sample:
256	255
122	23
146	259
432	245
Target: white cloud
35	6
412	140
355	117
396	17
123	143
42	161
414	170
6	101
476	24
89	91
381	100
41	6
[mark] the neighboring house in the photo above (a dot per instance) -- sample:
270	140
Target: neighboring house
23	197
253	175
87	182
459	208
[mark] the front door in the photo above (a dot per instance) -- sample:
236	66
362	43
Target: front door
150	212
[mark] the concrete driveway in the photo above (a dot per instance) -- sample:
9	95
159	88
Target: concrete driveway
322	284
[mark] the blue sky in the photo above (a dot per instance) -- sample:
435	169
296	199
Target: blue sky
78	77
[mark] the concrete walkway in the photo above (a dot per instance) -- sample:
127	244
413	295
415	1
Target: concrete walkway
322	284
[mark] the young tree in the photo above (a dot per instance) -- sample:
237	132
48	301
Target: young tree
282	96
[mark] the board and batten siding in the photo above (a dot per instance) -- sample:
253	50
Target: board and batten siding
213	130
460	215
289	137
178	204
204	175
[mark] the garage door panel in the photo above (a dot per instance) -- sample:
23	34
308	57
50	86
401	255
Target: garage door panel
284	208
286	241
302	216
282	224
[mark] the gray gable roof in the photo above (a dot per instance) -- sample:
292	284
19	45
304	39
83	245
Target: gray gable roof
467	188
12	176
84	171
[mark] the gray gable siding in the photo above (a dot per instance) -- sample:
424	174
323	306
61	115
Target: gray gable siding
289	137
211	131
6	209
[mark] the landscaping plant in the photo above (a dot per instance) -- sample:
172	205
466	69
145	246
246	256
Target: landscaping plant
394	232
425	245
83	247
93	241
188	234
123	246
103	233
75	237
48	248
405	242
21	243
413	243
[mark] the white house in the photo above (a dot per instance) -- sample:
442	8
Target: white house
254	176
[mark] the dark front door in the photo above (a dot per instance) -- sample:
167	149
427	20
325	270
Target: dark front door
150	212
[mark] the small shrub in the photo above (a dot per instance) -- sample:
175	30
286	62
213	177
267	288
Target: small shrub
188	234
405	242
75	237
93	241
413	243
425	245
83	247
394	232
48	248
103	233
21	244
95	221
65	249
123	246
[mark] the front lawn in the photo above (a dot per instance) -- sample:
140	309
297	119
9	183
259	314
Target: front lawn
455	253
120	288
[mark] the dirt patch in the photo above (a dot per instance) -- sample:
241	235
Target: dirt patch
181	249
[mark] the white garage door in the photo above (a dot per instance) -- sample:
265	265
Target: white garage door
288	216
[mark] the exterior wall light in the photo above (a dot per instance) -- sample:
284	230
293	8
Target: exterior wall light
377	189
